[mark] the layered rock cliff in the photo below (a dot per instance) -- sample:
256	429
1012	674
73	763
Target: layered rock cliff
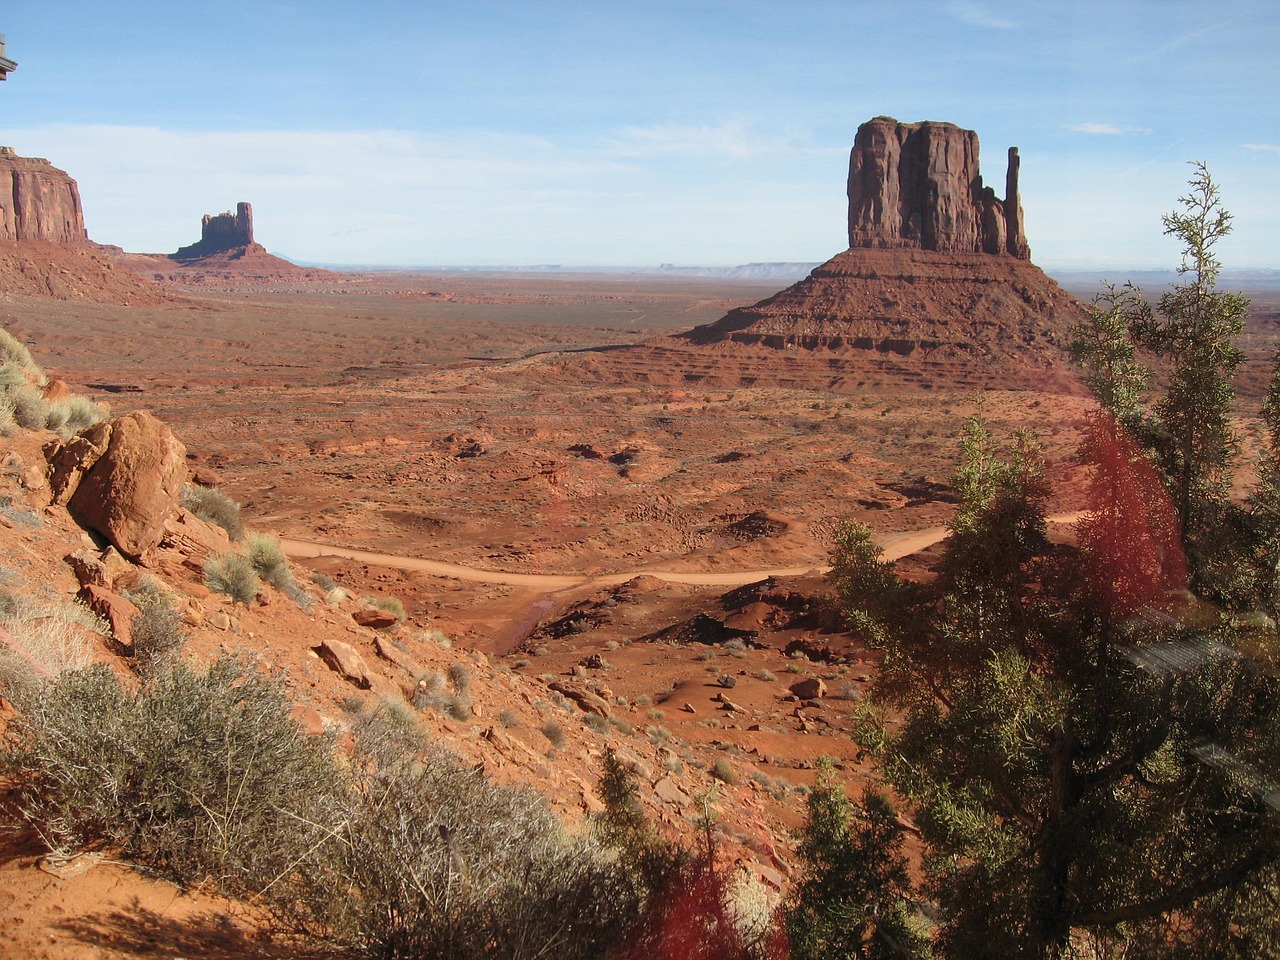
918	185
38	202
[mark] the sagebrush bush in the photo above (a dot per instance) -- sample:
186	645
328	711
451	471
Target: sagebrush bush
14	351
213	505
268	559
553	732
199	774
69	416
723	771
437	863
232	574
460	676
158	633
27	406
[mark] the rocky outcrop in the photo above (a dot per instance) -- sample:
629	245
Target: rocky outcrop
38	202
221	234
122	479
918	185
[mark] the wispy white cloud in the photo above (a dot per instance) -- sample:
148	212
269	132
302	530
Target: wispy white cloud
978	15
1108	129
394	196
729	140
1262	147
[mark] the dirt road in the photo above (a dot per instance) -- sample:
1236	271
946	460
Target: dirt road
892	547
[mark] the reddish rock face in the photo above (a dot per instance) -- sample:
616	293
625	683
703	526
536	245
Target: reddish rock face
133	483
220	234
917	185
38	201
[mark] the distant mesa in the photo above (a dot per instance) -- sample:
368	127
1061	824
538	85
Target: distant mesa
938	269
38	202
221	234
44	249
226	253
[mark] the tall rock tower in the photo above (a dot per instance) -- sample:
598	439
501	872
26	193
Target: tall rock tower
917	185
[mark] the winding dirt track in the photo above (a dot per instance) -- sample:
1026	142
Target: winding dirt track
892	547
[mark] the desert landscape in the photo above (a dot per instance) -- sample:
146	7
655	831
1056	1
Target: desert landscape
545	516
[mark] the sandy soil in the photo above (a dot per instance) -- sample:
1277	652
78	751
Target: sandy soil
538	479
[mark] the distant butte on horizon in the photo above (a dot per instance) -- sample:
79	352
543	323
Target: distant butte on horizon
938	270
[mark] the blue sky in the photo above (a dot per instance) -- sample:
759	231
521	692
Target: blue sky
636	133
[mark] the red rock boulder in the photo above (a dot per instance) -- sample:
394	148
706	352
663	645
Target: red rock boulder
130	480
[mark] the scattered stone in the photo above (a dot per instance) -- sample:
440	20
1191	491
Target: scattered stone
375	618
116	610
585	699
727	681
343	659
728	705
88	568
688	708
390	652
668	791
810	688
193	537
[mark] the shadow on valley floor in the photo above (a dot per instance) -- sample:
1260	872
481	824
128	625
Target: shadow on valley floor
204	936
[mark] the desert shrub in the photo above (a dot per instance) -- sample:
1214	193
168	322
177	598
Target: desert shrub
553	732
70	415
199	774
213	505
38	649
595	723
27	406
267	559
232	574
722	770
400	852
323	581
768	676
158	633
509	718
460	676
434	862
15	352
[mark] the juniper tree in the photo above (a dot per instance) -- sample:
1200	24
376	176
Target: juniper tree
1090	766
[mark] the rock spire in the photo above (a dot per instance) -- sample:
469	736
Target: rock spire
918	186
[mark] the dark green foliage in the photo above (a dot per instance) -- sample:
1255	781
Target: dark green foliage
851	898
1052	727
